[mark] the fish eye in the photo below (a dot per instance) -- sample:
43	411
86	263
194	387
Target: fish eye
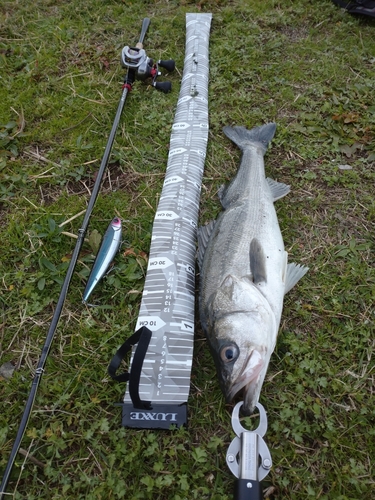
229	353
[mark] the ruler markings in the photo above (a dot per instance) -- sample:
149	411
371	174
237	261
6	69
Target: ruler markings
167	306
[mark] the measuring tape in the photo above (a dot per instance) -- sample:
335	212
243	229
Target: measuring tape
167	306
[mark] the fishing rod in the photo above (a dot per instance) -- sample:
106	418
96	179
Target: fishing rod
141	67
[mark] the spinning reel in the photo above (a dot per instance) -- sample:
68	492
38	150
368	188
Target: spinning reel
140	66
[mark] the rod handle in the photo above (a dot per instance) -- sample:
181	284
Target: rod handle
145	24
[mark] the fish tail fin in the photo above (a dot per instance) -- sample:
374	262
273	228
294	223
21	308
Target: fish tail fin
242	136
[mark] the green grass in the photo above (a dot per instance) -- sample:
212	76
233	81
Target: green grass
306	65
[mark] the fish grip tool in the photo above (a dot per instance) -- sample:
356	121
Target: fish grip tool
248	456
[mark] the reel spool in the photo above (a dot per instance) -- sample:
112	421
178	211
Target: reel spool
136	60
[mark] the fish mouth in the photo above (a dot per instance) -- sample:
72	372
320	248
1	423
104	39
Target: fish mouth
249	375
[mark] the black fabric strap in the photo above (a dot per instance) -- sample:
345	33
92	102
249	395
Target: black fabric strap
141	337
365	7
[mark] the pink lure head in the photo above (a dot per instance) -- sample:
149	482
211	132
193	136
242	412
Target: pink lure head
116	223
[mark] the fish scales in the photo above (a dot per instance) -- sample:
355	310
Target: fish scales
243	271
248	215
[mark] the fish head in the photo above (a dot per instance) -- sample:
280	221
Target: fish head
242	335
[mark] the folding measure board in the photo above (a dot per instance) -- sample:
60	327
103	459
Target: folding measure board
167	306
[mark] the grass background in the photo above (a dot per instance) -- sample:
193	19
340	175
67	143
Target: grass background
308	66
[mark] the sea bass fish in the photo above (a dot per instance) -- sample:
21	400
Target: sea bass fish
244	271
106	253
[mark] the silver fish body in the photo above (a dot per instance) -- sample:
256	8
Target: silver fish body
106	253
244	271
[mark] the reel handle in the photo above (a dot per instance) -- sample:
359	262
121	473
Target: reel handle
145	24
168	64
163	86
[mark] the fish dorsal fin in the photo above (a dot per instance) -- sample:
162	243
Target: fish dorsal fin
294	273
278	189
203	234
257	262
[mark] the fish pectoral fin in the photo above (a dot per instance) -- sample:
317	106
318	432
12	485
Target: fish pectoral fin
257	262
203	234
278	189
293	274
